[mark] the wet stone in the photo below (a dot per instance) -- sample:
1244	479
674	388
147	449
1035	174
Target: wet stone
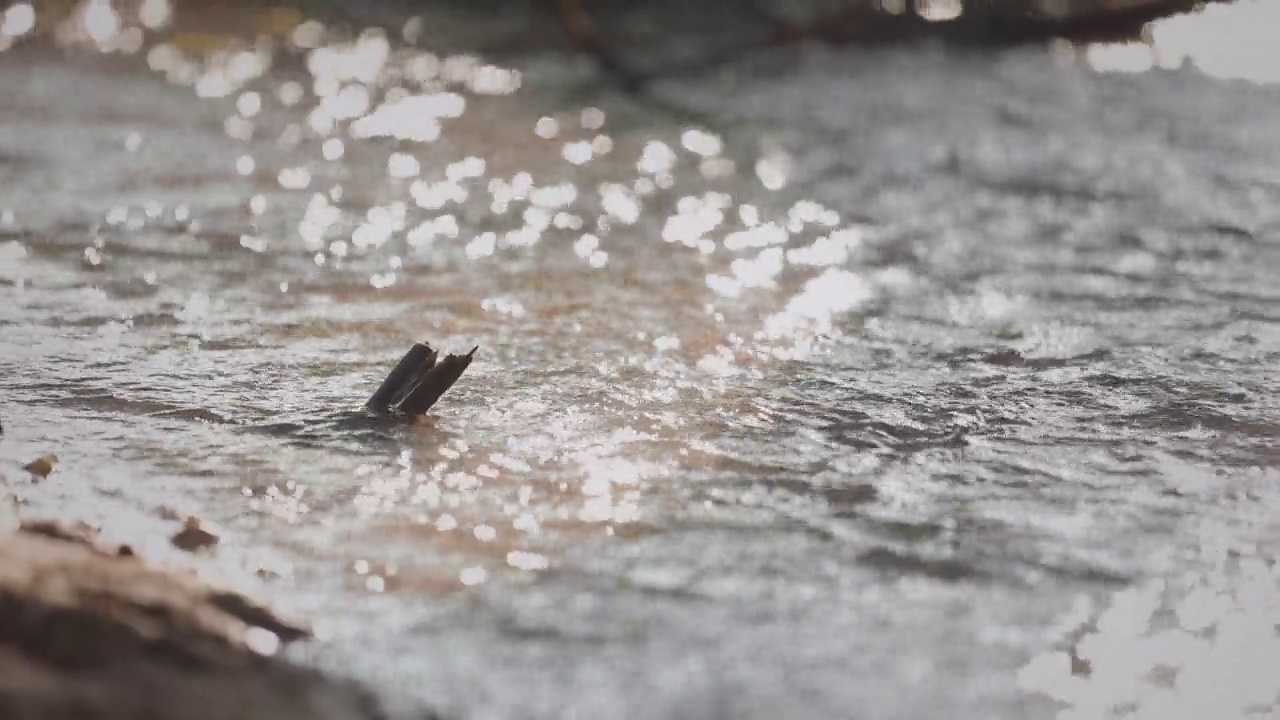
42	466
100	636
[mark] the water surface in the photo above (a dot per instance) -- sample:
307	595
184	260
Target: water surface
823	383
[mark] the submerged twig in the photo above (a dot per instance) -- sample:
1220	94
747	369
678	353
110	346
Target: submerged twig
418	381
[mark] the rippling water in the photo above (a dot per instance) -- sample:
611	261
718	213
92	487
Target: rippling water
826	383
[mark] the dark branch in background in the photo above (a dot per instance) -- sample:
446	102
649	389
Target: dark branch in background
996	23
982	23
584	32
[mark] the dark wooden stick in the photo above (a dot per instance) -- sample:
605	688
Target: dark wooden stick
434	382
412	381
399	381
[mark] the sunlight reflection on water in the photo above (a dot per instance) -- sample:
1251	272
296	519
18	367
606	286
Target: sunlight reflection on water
364	90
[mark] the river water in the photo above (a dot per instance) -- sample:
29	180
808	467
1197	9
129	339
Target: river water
822	383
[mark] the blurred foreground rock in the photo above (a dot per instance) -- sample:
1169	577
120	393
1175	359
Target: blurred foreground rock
89	631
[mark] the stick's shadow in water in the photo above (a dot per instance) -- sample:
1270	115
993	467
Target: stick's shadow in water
358	433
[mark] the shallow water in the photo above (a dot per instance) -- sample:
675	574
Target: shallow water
824	383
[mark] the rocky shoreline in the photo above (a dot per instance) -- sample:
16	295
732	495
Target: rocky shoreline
89	630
